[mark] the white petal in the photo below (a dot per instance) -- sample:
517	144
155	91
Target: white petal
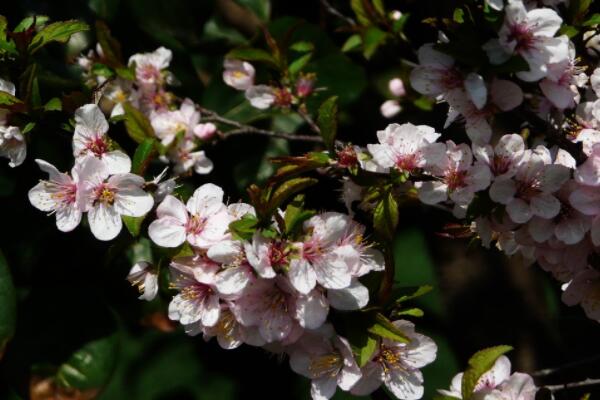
117	162
312	310
105	222
476	89
354	297
206	200
167	232
232	280
67	218
302	275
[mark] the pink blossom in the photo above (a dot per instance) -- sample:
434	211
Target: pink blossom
584	289
397	365
238	74
12	145
490	380
327	360
205	131
529	34
396	87
59	194
149	67
406	147
562	81
530	191
588	173
145	277
168	124
106	197
203	222
198	299
435	74
390	108
90	139
261	96
186	157
504	158
458	179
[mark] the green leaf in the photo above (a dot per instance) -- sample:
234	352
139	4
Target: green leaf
144	153
244	228
295	215
385	216
137	124
302	46
133	224
421	290
372	39
568	30
286	190
480	363
3	26
126	73
379	7
28	21
8	305
102	70
444	397
411	312
384	328
54	104
327	121
364	353
424	103
298	64
28	127
359	11
56	32
592	20
105	9
7	100
352	43
91	366
253	54
577	10
459	15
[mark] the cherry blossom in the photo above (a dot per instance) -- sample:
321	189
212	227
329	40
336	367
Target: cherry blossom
203	221
584	289
530	191
238	74
145	277
531	35
106	197
327	360
59	194
90	139
504	158
491	379
397	364
436	73
168	124
406	147
261	96
149	67
12	145
562	80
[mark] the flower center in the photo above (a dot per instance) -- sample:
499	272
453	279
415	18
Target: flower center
98	146
455	179
407	162
105	194
327	365
149	73
500	165
389	358
195	291
523	35
195	224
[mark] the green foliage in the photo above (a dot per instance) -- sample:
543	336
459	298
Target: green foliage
385	329
56	32
594	19
137	124
386	216
327	121
480	363
353	42
144	153
7	100
372	39
260	8
133	224
91	366
244	228
295	215
8	305
255	55
54	104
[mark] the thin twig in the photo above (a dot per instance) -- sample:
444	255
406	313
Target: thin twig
550	371
243	129
333	11
570	385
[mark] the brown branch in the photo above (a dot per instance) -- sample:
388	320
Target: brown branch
570	385
243	129
551	371
333	11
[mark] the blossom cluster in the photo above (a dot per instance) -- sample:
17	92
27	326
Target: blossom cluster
276	291
100	182
240	76
496	383
176	123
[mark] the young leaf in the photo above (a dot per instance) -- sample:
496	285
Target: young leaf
327	121
91	366
137	124
421	290
592	20
372	39
480	363
286	190
360	12
385	216
56	32
302	46
8	305
384	328
54	104
252	54
143	155
244	228
295	214
412	312
353	42
298	64
27	22
7	100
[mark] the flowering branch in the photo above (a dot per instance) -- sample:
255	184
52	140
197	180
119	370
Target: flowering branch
243	129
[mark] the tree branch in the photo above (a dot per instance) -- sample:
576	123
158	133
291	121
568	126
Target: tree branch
570	385
333	11
243	129
550	371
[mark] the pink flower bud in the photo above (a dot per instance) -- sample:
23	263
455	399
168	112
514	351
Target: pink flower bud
205	131
396	87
